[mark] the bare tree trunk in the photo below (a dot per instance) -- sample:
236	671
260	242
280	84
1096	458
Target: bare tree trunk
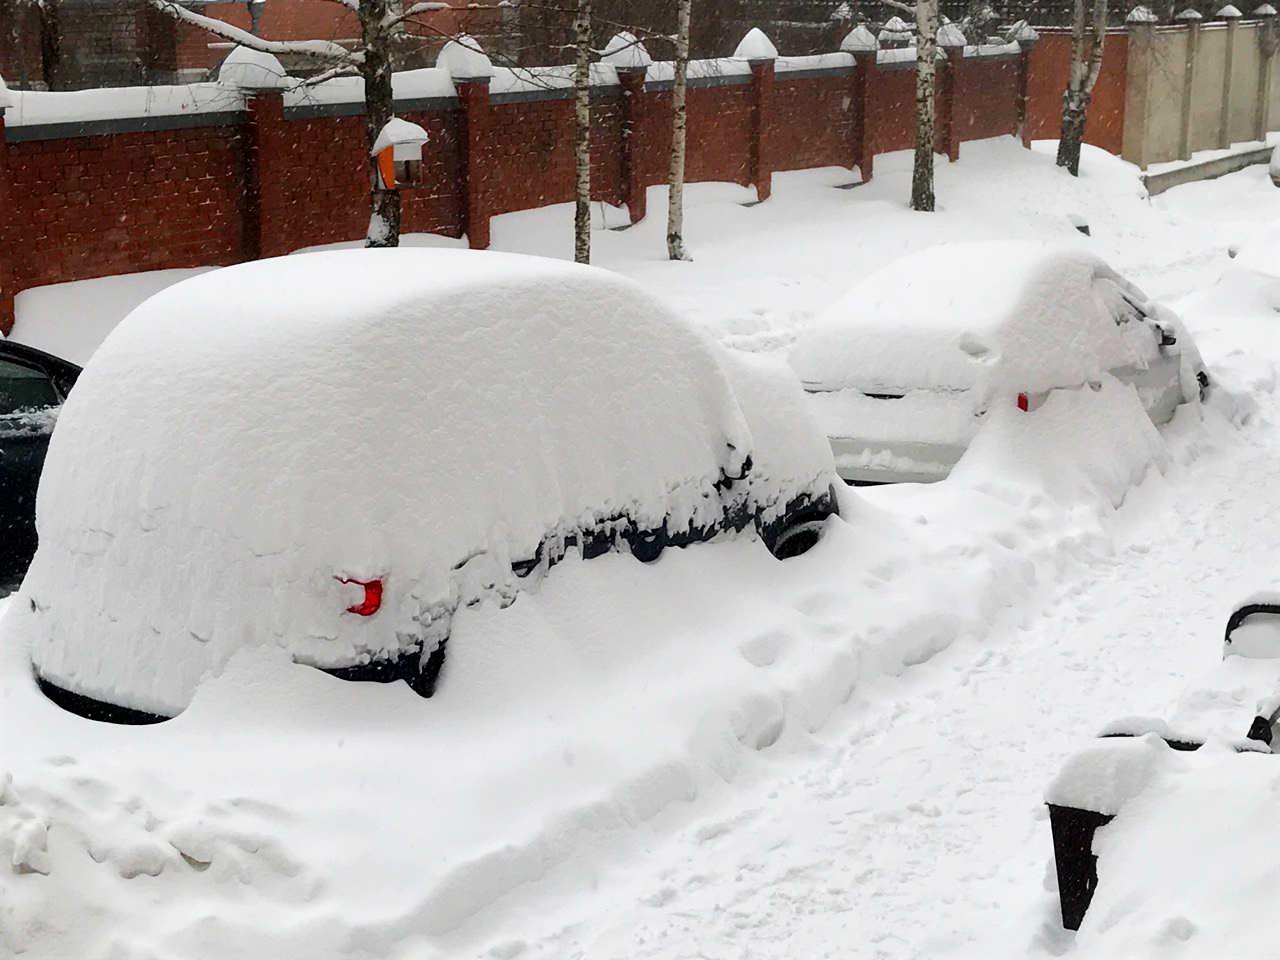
675	177
582	133
379	108
1086	64
926	72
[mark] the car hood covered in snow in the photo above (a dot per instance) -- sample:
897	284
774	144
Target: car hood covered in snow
999	317
246	439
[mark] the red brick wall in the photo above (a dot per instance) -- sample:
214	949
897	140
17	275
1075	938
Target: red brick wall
101	205
1050	66
96	206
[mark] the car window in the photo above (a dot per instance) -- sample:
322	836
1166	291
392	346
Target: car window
24	388
1120	305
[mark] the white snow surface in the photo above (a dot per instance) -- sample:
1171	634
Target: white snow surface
361	414
70	320
626	52
755	46
841	756
925	322
253	70
464	59
404	136
28	107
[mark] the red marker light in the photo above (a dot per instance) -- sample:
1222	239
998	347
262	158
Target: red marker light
1024	404
372	601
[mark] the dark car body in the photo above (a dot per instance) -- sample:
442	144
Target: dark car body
33	385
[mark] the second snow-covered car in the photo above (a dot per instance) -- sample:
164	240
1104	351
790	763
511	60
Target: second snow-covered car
333	452
901	371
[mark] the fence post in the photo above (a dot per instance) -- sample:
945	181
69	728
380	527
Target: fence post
7	229
1026	38
951	42
1137	93
1191	17
1268	40
474	94
760	54
862	43
1232	16
631	79
265	230
471	70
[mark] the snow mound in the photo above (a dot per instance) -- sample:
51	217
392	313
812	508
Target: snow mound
259	433
933	319
465	59
625	52
860	40
253	70
400	133
755	46
1107	774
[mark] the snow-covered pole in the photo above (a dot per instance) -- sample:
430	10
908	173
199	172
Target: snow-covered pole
472	71
1025	37
1191	17
261	80
760	53
631	61
1232	15
952	42
865	48
7	291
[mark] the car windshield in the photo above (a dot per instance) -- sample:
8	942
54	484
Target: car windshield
24	388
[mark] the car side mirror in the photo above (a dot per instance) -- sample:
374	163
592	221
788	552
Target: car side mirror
1167	337
1253	631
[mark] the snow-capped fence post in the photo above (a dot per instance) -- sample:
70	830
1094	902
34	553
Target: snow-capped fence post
261	79
631	61
471	71
1140	66
951	40
865	48
1268	43
1191	17
1025	37
1232	15
760	54
7	233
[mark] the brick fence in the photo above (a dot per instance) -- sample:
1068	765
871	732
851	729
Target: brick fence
262	177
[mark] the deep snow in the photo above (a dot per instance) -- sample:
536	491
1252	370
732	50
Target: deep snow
717	755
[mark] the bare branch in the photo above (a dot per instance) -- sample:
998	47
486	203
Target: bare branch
413	10
317	49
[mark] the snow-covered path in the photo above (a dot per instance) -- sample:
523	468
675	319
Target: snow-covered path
916	828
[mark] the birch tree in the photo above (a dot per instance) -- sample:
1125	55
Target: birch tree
675	176
1088	34
926	14
582	132
380	21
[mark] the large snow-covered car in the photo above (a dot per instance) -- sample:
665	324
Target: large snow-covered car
333	452
33	385
901	371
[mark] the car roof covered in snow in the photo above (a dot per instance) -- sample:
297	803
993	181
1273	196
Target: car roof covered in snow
999	316
246	436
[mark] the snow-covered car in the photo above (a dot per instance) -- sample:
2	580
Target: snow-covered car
901	371
333	452
1275	165
33	386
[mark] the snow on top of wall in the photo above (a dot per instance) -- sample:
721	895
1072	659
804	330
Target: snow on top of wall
401	412
464	59
30	107
993	49
702	69
253	70
560	77
420	84
1190	14
1141	14
920	322
818	61
896	24
624	51
5	99
950	35
1266	10
859	40
1229	12
898	55
756	46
